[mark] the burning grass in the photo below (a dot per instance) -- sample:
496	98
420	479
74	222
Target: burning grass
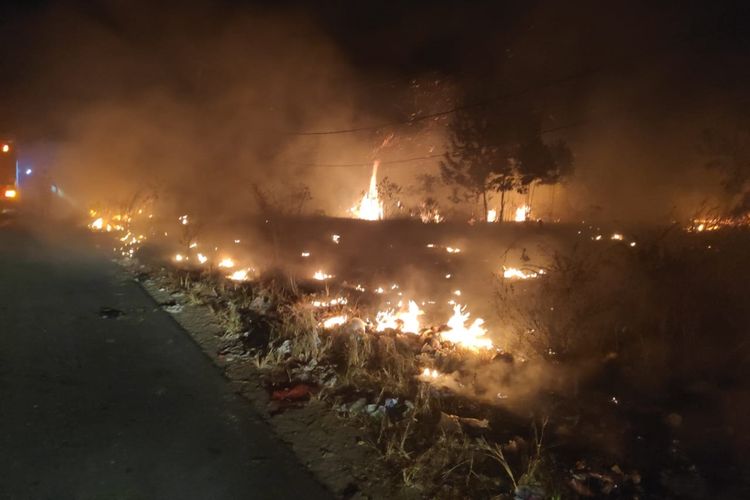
591	339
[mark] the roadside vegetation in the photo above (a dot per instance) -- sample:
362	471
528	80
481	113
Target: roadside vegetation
616	359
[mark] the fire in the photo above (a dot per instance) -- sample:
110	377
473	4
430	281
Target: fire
492	215
338	301
179	257
471	337
430	373
404	320
321	276
617	237
515	273
334	321
240	275
98	224
370	207
430	215
700	225
452	250
522	213
202	258
226	262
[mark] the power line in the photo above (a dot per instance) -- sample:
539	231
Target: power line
538	86
544	131
368	164
653	55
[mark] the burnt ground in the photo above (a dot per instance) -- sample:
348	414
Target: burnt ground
680	426
103	396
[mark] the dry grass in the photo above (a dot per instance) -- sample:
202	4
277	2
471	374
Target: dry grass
441	464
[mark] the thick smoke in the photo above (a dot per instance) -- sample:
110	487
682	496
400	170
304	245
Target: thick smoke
204	103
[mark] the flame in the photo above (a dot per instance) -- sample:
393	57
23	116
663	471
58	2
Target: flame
338	301
334	321
472	337
321	276
240	275
491	215
202	258
404	320
430	373
452	250
430	215
370	207
522	213
226	262
98	224
617	236
515	273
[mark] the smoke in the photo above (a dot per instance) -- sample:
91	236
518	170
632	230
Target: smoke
199	107
205	103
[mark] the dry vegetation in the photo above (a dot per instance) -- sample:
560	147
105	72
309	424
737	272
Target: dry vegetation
600	338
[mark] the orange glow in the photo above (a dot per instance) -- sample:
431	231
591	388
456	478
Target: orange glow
370	207
6	148
405	320
522	213
471	337
10	193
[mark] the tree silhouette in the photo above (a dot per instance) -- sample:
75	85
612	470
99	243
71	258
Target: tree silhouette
500	148
479	156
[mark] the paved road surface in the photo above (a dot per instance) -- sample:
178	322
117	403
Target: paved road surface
116	409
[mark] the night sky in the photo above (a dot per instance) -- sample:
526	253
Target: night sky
50	60
624	83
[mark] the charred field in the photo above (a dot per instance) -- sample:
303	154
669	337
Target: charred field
610	362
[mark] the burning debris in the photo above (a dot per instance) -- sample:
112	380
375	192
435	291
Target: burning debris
521	274
241	275
715	223
226	263
321	276
405	320
522	213
472	337
334	321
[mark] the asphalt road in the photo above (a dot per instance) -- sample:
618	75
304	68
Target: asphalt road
116	409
